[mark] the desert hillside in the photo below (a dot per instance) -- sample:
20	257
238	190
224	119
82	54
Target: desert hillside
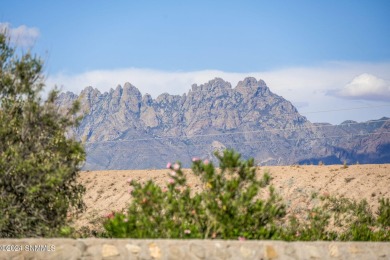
300	186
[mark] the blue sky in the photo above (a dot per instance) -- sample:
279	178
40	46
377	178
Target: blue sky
321	55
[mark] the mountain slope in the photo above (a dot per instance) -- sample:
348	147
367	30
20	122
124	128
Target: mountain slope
125	130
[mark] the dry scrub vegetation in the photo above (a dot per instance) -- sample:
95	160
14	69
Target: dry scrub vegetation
300	186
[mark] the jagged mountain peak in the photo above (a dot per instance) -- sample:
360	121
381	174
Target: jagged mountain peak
214	84
128	85
124	129
147	99
129	88
88	91
250	86
251	82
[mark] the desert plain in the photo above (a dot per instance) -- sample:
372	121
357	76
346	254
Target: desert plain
300	186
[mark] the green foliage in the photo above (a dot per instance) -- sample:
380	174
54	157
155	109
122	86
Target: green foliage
384	212
360	224
38	163
313	228
341	219
229	207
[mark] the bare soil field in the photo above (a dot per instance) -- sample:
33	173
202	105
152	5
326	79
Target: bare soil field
299	186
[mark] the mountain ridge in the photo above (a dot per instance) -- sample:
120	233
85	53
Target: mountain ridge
124	129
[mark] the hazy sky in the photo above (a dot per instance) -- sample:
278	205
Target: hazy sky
320	55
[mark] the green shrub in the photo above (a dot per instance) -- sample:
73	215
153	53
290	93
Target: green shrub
359	222
384	212
229	207
38	164
340	219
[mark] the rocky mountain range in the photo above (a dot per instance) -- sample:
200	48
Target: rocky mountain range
123	129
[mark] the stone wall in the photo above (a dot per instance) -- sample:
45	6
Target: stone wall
187	249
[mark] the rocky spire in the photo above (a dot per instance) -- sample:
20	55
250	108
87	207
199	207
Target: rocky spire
127	130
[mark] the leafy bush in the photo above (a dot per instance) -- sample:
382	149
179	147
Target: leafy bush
341	219
229	207
38	164
384	212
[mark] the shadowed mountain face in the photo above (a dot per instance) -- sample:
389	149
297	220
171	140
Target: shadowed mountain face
125	130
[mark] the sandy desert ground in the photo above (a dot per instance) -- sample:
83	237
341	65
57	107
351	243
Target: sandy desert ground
108	190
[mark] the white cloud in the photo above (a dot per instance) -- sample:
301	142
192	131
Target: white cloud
366	86
296	84
309	89
22	36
